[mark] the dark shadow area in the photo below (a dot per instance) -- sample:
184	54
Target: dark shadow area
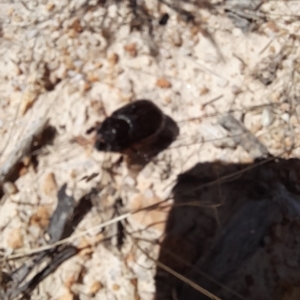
234	230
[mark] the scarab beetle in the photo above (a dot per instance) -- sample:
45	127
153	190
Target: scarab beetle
131	124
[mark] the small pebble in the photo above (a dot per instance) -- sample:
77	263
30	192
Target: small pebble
50	6
176	39
266	117
95	288
163	83
15	239
222	82
285	117
131	49
10	188
113	58
49	185
204	91
115	287
129	181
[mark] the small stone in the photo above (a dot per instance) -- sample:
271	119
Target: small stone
113	58
92	77
272	49
131	49
67	296
272	26
163	83
288	142
222	82
129	181
176	39
275	96
285	117
95	288
255	128
85	86
50	186
70	281
10	188
41	217
294	121
23	171
87	245
26	161
76	25
98	65
285	107
72	33
15	239
10	12
266	117
236	90
204	91
17	18
28	99
168	99
50	6
115	287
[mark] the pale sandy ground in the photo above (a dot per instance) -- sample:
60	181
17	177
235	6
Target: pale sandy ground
92	72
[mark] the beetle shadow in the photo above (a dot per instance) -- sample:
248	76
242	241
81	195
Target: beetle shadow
232	230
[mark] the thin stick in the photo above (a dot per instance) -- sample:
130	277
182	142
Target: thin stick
26	252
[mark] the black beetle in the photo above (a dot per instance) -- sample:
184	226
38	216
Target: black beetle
131	124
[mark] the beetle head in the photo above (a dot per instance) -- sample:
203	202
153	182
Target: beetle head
113	135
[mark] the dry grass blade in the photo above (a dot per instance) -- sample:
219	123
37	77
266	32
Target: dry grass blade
179	276
27	252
